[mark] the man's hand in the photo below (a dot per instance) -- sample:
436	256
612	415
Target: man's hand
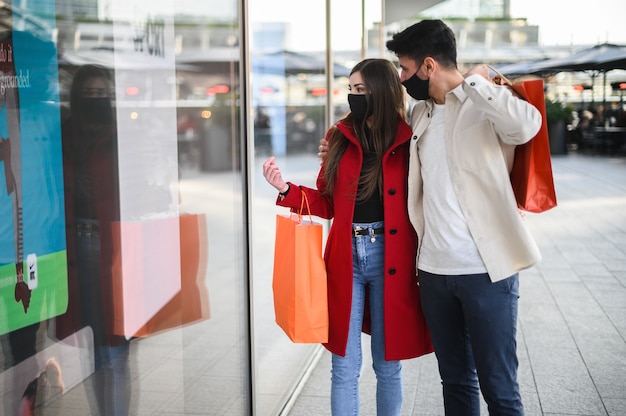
482	70
272	175
323	149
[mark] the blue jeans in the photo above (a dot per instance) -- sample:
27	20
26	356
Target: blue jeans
368	267
111	381
473	325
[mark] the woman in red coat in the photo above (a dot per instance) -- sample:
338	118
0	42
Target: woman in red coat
362	186
90	173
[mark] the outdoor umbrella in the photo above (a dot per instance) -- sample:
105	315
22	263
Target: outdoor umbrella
595	60
518	68
599	58
602	58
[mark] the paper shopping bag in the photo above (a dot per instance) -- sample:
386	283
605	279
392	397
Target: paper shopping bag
191	304
531	176
299	281
159	272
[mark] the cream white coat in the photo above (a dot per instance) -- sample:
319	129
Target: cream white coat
484	123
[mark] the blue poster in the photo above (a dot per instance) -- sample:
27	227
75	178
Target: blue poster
33	265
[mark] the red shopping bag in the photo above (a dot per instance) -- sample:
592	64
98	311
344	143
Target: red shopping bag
299	280
531	176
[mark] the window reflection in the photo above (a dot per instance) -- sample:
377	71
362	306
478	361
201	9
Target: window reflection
90	172
134	138
32	235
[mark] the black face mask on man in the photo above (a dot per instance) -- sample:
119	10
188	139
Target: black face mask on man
359	107
417	88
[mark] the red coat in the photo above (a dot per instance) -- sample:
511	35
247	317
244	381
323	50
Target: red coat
90	298
406	334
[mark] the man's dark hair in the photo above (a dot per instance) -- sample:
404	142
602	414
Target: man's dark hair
426	38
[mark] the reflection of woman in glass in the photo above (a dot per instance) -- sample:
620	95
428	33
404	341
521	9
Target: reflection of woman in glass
10	153
92	204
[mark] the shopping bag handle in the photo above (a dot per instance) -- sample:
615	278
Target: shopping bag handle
499	78
308	207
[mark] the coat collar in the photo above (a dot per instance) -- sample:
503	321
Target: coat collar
459	93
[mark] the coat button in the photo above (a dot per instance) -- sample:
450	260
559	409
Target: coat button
392	271
414	137
392	192
472	84
393	231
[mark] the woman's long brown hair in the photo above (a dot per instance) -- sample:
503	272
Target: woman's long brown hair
386	101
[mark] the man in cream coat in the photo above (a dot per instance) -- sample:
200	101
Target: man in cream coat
472	239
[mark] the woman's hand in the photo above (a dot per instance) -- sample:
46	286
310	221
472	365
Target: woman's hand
323	148
272	175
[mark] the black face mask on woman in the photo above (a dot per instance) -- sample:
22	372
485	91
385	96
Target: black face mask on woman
417	88
358	107
97	110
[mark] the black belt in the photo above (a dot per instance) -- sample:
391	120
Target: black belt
87	228
358	231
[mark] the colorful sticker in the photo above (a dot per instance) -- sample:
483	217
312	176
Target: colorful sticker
33	264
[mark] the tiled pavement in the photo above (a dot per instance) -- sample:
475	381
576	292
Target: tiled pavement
572	329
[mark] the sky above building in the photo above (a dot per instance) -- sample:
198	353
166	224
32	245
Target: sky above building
565	22
561	22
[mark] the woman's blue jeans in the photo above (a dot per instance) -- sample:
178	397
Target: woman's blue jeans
368	266
473	325
111	381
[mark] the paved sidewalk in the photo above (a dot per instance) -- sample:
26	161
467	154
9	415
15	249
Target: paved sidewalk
572	329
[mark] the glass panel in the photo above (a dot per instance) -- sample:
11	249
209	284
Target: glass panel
354	39
288	98
289	95
121	232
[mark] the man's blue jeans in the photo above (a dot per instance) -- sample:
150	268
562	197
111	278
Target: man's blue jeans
473	324
368	266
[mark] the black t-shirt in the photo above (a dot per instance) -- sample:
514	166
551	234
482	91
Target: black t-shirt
370	210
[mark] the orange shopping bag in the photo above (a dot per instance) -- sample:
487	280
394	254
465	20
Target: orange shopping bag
299	282
191	303
159	274
531	176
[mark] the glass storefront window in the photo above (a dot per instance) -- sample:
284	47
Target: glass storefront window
290	100
121	232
